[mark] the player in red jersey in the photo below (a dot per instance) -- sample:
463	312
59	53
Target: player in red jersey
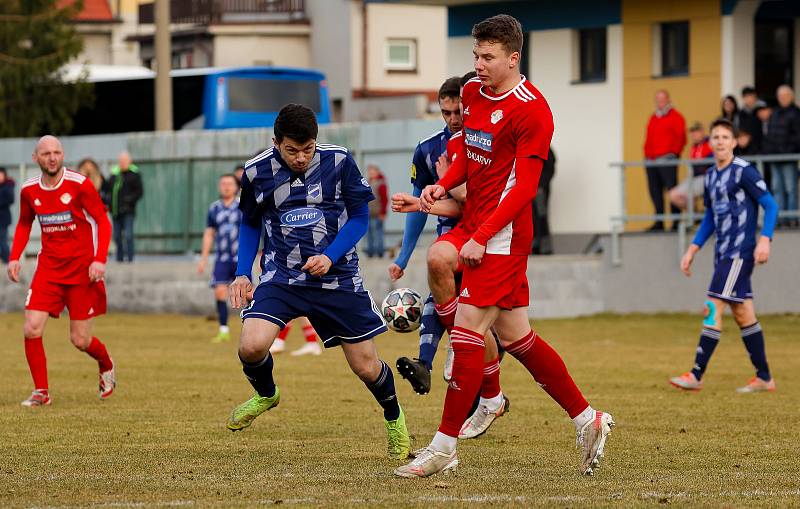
71	264
508	127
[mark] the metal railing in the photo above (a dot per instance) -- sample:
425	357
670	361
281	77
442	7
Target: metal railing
685	220
206	12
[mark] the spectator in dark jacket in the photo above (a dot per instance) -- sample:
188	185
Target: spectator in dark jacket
730	110
748	117
542	242
783	137
123	191
6	200
666	137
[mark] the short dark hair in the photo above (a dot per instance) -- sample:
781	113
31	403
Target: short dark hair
465	78
723	122
297	122
748	90
503	29
450	88
226	175
238	167
3	171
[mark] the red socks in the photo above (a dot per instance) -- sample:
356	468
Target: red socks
285	332
549	371
466	379
310	333
37	362
97	351
447	312
490	386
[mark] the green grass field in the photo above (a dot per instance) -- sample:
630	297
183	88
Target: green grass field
160	441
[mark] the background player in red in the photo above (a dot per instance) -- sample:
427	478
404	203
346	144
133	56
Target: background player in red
71	264
508	127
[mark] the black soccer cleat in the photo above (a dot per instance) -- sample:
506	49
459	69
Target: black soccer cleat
416	373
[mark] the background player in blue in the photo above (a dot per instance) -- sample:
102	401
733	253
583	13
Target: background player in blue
222	230
312	200
733	191
423	173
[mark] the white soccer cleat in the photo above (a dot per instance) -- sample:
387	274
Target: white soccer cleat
591	439
447	372
37	398
308	349
108	381
757	385
278	346
687	382
479	422
427	462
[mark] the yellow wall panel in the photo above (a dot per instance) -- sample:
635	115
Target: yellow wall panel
696	96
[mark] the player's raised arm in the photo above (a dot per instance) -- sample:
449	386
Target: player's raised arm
21	236
93	205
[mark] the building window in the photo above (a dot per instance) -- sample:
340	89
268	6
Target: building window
674	51
401	55
592	55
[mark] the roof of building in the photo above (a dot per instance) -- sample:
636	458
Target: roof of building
93	10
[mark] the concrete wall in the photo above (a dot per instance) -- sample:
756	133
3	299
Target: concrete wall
649	281
588	129
96	47
279	45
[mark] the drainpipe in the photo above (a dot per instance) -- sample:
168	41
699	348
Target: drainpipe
364	52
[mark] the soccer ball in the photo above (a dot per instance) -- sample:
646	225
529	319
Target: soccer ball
402	310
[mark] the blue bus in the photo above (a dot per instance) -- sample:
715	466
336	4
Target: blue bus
203	98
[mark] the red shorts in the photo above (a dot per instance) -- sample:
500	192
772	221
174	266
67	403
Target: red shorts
499	280
83	301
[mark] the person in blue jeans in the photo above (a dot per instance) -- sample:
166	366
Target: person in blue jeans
783	137
377	211
123	192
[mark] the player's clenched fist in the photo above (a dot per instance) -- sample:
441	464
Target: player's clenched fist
430	195
761	253
13	270
97	271
239	290
317	266
395	272
471	254
404	202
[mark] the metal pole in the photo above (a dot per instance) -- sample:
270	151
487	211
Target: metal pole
163	65
187	237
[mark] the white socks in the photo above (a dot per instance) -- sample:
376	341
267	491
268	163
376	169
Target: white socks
493	404
224	329
444	443
582	418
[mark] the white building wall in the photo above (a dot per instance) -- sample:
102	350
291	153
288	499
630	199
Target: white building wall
459	55
330	43
738	57
235	48
588	131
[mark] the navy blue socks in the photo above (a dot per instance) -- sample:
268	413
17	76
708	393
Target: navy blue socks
383	390
259	375
708	342
753	338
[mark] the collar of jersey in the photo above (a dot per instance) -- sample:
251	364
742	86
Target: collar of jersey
501	97
63	174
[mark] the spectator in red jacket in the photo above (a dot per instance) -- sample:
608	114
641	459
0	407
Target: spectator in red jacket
377	211
666	137
694	184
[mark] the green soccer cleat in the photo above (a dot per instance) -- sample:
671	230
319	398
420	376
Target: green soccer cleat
244	414
221	337
399	439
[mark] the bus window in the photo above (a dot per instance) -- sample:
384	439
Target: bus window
260	95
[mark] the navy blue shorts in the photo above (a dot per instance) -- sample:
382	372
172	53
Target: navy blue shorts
338	316
224	273
731	280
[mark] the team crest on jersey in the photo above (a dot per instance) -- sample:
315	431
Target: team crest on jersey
466	111
37	203
364	182
66	198
497	116
315	192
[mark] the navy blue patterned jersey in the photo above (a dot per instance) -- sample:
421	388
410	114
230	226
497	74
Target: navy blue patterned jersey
423	168
225	221
732	194
303	212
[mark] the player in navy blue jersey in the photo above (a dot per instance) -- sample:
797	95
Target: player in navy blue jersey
312	200
733	191
222	230
423	173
